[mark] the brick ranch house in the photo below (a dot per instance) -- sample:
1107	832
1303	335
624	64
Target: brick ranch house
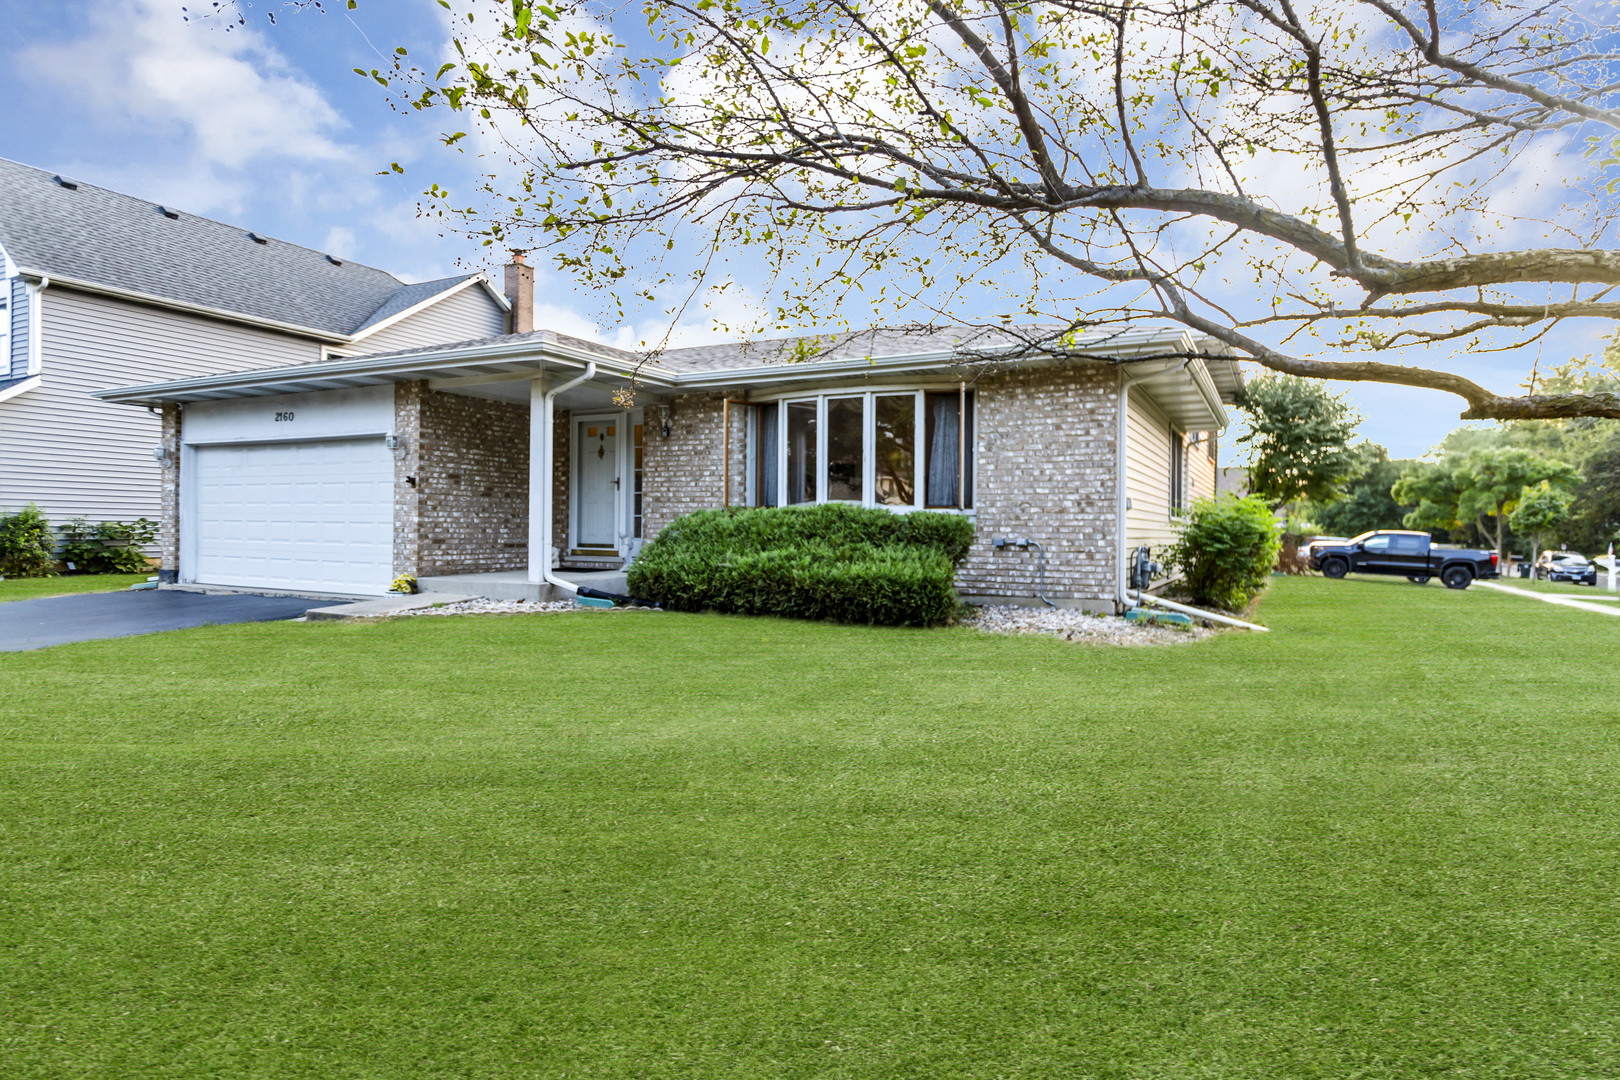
506	466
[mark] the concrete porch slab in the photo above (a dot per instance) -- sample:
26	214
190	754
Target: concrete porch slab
515	584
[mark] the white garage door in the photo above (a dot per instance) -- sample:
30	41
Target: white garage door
312	515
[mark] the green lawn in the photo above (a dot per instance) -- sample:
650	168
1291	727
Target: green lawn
34	588
1601	589
1382	841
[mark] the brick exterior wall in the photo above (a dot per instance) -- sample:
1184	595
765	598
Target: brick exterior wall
686	471
472	488
1047	471
169	497
561	434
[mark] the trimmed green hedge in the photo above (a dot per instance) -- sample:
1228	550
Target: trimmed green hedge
844	563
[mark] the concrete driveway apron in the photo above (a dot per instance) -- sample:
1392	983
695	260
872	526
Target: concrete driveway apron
58	620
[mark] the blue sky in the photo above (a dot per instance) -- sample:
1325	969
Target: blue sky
268	127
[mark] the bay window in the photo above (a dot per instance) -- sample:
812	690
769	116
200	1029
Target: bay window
895	448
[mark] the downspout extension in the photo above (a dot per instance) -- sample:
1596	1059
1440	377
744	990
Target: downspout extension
547	447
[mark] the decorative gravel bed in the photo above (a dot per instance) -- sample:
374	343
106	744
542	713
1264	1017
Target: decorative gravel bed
1078	626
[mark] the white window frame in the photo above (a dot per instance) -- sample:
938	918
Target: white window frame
868	446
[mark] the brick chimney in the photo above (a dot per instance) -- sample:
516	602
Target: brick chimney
520	294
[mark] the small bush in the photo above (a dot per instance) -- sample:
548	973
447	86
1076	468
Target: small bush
25	544
108	547
1226	550
844	563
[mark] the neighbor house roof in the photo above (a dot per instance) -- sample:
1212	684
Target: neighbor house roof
83	235
1175	366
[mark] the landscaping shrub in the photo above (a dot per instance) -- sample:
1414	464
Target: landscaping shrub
1226	550
25	544
845	563
108	547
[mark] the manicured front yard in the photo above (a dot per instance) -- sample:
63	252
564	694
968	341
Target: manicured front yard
34	588
1381	841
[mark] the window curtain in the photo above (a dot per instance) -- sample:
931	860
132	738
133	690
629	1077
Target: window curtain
943	453
767	454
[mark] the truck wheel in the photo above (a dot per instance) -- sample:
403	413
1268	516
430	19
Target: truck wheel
1418	579
1457	577
1335	568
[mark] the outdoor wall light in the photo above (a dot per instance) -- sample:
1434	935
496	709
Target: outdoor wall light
663	421
160	453
391	441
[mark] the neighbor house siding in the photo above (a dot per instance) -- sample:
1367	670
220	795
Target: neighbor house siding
76	456
470	313
1147	473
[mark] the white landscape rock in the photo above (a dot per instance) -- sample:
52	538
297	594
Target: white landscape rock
1077	626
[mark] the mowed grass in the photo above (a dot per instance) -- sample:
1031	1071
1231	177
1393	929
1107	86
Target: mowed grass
34	588
1381	841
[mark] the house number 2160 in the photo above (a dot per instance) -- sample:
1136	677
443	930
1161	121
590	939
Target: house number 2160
280	416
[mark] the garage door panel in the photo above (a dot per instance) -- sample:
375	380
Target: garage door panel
315	516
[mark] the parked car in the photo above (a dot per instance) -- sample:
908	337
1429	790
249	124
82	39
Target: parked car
1409	554
1566	566
1319	541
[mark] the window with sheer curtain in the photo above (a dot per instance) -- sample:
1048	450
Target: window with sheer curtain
903	449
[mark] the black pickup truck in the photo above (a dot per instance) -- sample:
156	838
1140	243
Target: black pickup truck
1408	554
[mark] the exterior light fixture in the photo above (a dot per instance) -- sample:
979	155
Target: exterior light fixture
391	441
663	421
160	453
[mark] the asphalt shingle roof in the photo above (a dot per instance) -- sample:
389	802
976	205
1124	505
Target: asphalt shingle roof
116	240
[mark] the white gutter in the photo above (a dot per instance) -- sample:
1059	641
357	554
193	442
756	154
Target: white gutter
547	442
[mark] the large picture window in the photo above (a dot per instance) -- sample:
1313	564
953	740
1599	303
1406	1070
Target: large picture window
899	448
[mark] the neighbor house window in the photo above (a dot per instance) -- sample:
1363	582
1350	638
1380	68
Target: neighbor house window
899	448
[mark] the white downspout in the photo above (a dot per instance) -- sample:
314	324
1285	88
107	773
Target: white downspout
548	442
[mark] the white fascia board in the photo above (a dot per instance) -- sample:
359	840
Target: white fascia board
18	389
423	305
149	300
494	293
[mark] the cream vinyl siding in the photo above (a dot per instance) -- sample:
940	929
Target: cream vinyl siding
1147	473
470	313
76	456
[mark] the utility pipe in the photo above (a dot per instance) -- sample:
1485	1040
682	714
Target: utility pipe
548	442
1149	598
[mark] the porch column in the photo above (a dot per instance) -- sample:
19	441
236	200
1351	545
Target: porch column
539	482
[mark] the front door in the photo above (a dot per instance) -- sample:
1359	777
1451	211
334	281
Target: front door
597	450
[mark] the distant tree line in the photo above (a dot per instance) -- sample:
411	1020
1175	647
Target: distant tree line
1513	486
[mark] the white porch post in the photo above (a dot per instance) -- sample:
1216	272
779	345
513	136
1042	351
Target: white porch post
540	443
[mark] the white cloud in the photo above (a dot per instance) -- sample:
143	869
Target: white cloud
232	100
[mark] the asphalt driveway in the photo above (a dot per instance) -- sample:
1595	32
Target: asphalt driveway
58	620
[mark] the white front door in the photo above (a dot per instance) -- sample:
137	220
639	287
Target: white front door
596	448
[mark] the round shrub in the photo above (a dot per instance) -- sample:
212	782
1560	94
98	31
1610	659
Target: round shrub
1225	550
25	544
846	563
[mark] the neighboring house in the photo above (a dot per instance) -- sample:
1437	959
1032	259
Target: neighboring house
100	289
517	452
1232	479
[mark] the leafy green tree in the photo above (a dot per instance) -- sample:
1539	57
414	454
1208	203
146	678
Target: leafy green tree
1298	434
1367	503
1480	488
1543	510
1082	164
1595	514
